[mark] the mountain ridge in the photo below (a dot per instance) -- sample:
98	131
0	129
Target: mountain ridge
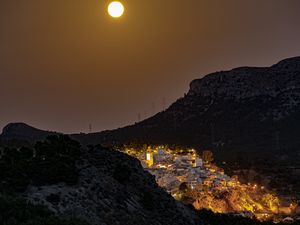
249	110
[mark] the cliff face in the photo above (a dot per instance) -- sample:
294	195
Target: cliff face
280	81
278	87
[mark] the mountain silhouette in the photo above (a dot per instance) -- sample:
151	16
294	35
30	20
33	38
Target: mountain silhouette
249	111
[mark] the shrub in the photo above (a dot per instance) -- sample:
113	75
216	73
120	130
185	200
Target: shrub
147	200
122	173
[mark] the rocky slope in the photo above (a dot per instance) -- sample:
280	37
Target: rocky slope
107	187
103	197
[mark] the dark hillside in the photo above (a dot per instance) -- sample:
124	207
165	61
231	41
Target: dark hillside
61	181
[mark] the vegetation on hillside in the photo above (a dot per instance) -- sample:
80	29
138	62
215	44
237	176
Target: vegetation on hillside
49	162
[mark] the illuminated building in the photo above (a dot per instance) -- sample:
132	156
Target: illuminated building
149	158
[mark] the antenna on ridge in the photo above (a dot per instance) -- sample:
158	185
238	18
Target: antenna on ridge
164	103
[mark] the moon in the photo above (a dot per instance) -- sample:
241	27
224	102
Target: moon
115	9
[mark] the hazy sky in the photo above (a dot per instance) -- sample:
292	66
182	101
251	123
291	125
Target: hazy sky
66	63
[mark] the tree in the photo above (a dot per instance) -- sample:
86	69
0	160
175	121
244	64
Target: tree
183	187
122	173
207	156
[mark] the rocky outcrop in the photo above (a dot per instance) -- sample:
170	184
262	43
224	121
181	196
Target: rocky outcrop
247	82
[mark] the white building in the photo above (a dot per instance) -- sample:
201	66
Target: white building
198	162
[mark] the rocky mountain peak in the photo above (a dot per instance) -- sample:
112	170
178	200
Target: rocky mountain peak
248	82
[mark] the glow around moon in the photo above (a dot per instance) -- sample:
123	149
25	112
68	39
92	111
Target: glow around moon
115	9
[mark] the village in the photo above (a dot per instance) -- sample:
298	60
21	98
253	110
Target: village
195	180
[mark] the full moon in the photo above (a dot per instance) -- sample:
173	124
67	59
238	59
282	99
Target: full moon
115	9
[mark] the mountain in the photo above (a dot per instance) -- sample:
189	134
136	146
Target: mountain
247	111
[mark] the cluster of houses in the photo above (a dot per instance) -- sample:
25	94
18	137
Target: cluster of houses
183	173
173	168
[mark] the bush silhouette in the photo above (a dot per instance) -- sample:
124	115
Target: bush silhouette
122	173
49	162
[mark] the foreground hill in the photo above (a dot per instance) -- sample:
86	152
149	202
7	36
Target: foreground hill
99	186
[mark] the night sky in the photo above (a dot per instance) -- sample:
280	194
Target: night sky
65	63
